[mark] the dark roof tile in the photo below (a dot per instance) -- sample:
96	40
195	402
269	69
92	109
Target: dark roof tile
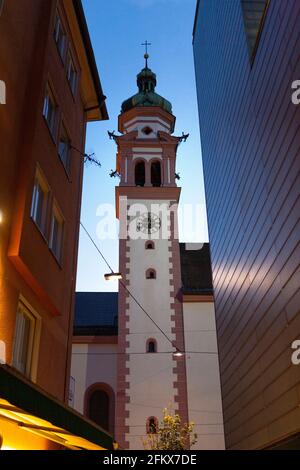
196	269
97	310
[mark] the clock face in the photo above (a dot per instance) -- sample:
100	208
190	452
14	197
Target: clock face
148	223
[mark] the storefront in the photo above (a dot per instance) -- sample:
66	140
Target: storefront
32	420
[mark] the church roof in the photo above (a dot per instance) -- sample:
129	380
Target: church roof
96	313
196	268
146	96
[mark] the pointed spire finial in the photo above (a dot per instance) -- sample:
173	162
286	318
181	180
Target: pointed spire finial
146	55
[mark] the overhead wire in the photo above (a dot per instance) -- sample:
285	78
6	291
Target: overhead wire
128	291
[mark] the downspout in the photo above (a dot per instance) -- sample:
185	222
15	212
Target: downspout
74	265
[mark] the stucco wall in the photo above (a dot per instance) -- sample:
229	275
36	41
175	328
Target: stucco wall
150	376
203	379
92	363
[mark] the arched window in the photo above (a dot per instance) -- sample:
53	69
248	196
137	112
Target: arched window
152	425
100	405
140	174
99	408
149	245
150	274
155	174
151	346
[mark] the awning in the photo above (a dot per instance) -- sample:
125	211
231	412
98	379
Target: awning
33	410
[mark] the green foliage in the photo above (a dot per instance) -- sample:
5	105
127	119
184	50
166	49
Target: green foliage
171	434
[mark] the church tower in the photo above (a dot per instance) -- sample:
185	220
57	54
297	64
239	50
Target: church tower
151	369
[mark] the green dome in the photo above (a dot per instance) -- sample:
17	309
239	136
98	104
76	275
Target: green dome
146	82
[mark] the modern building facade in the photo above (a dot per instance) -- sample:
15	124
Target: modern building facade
166	354
52	89
246	59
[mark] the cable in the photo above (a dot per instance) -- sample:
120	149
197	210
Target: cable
195	424
149	333
126	288
139	353
149	316
160	408
91	239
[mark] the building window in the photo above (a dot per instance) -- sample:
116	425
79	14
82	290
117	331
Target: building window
152	425
151	346
56	233
64	148
155	174
24	340
71	74
60	37
50	111
151	274
149	245
39	203
254	15
99	405
147	130
99	408
140	174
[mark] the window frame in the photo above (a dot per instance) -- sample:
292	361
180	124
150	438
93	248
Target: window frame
71	62
56	213
151	341
142	181
149	425
149	273
52	126
112	398
64	131
32	359
24	304
62	53
40	180
19	339
156	173
149	245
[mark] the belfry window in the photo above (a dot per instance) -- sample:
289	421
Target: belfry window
140	174
156	174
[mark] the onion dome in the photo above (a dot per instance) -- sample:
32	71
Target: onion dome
146	96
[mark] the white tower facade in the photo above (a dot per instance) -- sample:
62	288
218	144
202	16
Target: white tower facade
150	377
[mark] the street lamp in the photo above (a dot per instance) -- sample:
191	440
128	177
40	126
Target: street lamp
178	353
112	276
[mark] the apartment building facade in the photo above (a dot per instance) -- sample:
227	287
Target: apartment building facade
52	90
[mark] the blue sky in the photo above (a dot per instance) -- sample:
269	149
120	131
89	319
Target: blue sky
117	29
